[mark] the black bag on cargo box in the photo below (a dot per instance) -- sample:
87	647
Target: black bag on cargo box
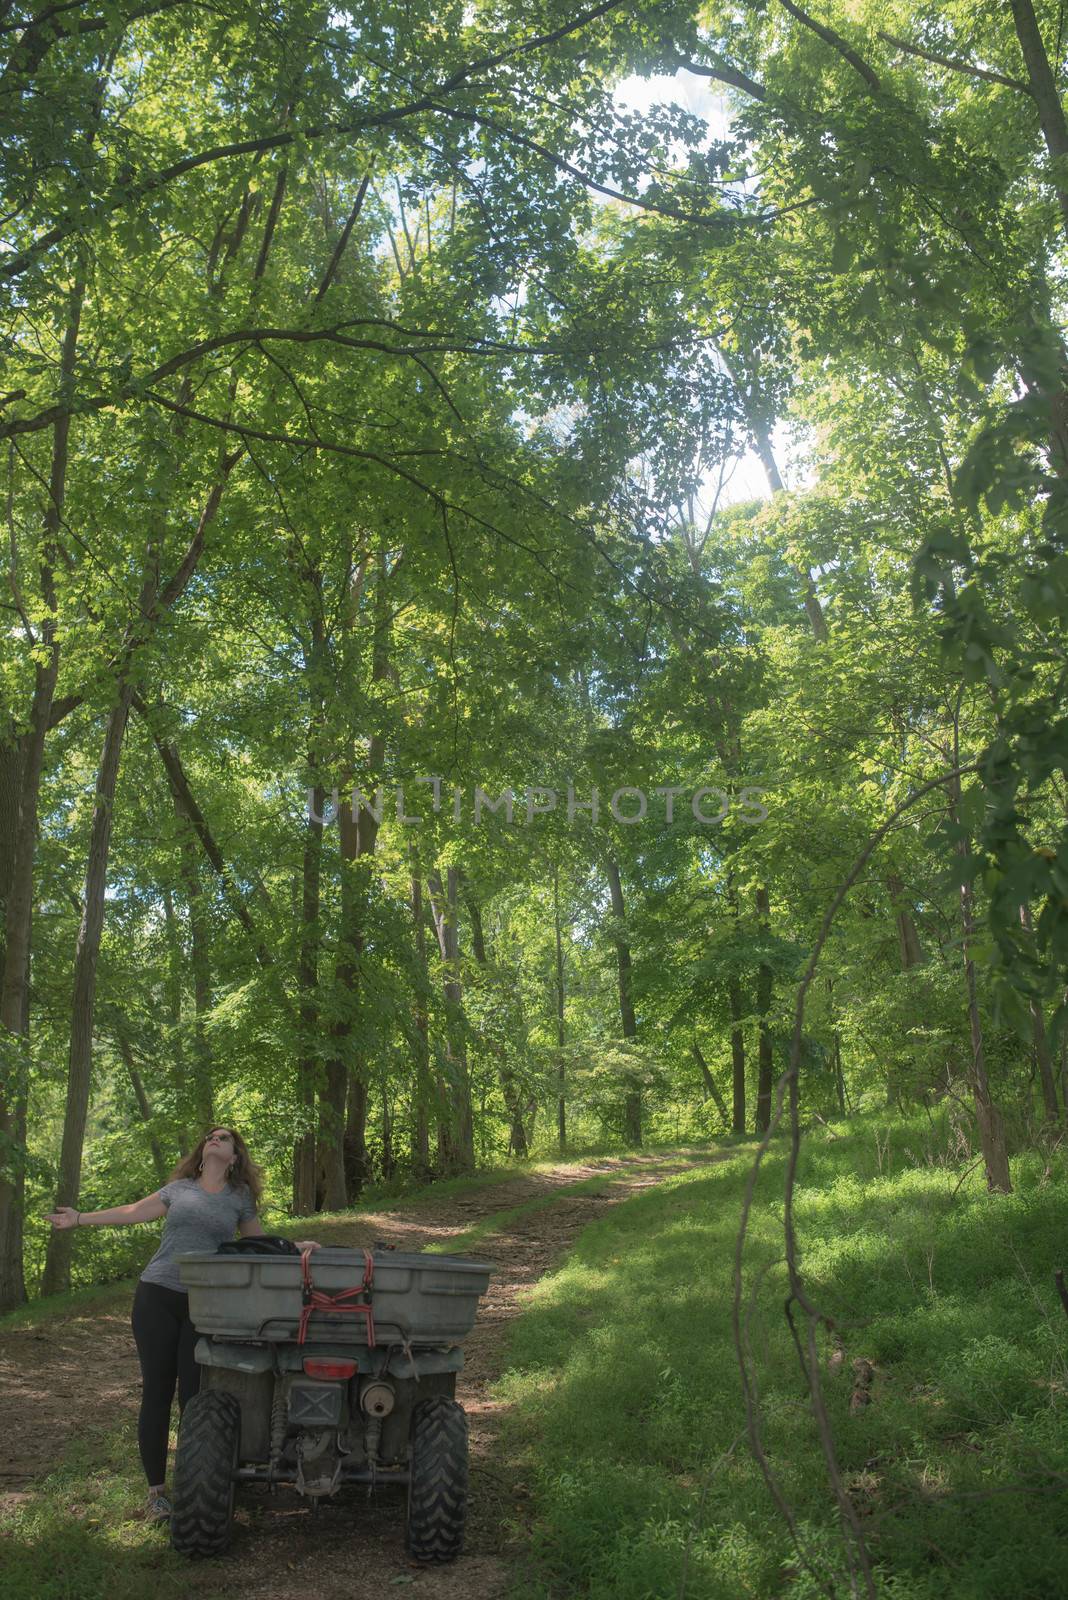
268	1244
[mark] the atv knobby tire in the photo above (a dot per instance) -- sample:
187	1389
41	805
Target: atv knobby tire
437	1487
203	1501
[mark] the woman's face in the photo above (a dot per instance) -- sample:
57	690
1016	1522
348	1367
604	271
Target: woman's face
220	1141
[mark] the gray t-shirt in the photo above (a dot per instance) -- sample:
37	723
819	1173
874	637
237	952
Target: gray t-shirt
196	1220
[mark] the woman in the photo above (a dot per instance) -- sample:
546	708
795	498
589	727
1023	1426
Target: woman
213	1191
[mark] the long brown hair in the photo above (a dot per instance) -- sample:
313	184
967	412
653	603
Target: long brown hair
244	1169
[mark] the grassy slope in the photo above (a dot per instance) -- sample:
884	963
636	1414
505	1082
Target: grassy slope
629	1429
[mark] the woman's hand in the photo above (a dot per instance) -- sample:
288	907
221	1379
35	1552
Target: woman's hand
307	1244
63	1217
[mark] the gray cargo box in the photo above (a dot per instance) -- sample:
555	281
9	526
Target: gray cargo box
417	1299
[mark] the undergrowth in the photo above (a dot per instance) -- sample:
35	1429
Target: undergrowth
629	1430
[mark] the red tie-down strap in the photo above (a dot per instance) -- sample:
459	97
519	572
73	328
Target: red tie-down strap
355	1302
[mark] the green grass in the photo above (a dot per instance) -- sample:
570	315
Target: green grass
79	1302
629	1430
75	1538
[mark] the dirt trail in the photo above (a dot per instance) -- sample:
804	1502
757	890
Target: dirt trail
79	1375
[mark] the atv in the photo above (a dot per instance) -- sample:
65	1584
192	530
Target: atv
322	1369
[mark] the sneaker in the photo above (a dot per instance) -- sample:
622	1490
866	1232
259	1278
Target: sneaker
157	1508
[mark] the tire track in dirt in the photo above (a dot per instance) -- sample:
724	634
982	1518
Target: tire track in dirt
79	1375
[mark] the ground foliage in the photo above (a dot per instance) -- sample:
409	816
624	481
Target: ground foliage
627	1430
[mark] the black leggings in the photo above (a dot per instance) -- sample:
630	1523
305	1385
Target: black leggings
165	1338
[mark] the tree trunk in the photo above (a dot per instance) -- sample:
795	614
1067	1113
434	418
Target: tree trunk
176	1043
632	1106
457	1132
839	1079
143	1106
987	1115
734	1000
333	1097
711	1091
14	995
517	1139
343	1106
330	1192
344	1135
421	1087
910	952
357	1166
11	1243
909	947
11	1263
308	1023
56	1277
1042	82
561	1080
836	1051
389	1165
1046	96
1043	1057
308	982
12	750
203	1092
765	1053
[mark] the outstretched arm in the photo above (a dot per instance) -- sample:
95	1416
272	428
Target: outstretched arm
150	1209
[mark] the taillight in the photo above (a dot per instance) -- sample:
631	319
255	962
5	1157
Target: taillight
324	1367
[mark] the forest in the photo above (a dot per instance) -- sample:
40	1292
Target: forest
535	582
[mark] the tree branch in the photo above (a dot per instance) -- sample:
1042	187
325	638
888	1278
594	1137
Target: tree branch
37	38
342	244
173	590
123	196
179	786
722	74
835	40
1046	94
438	344
334	447
955	64
658	208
